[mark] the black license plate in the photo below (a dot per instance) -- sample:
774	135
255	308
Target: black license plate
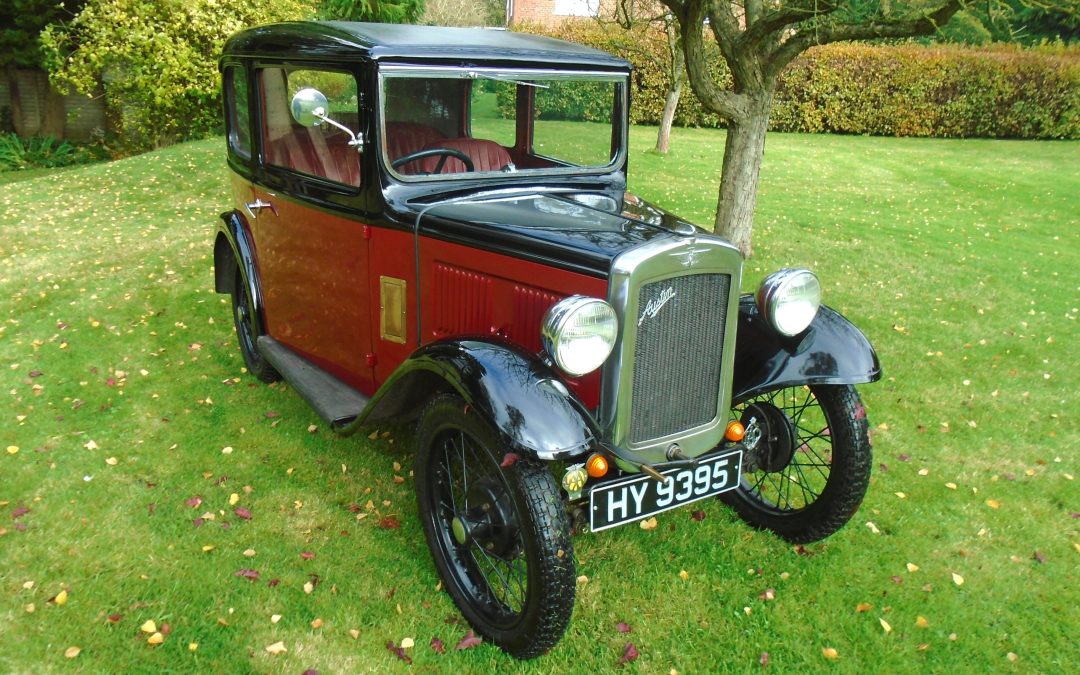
628	499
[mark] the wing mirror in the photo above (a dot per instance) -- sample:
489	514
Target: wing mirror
309	108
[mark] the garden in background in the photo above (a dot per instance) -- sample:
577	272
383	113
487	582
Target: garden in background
153	492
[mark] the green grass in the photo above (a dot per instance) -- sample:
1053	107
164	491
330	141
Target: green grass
959	259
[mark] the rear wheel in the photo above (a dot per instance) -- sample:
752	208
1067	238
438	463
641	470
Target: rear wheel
807	464
247	331
499	535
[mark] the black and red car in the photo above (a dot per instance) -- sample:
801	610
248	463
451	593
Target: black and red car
433	223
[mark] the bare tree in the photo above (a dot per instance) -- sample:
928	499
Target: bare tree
757	39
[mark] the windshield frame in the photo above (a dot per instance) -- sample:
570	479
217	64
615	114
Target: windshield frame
507	74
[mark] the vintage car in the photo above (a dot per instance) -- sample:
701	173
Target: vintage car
433	224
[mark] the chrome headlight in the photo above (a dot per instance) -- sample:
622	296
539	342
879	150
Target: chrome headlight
790	300
579	333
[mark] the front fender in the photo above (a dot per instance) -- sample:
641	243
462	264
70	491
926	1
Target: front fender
521	397
831	351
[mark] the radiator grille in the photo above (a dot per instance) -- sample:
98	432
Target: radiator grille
677	357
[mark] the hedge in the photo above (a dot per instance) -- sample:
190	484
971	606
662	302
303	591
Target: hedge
886	90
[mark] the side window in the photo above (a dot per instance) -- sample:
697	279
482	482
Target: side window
322	150
237	112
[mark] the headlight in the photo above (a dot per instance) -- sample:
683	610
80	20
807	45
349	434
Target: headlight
790	300
579	333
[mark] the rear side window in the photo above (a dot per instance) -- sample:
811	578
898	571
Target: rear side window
237	112
322	150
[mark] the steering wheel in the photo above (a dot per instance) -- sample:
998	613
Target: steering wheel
431	152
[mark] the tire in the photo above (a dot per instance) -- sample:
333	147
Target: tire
809	470
247	331
502	546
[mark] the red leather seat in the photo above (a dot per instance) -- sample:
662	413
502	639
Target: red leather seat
404	138
485	155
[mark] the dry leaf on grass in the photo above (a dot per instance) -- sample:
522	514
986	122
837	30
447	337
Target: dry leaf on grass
276	648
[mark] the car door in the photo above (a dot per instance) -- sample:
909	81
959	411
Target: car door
312	252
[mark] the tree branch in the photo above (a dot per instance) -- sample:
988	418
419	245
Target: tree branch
805	38
776	21
691	17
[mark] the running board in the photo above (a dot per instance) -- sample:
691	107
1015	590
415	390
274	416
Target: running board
334	401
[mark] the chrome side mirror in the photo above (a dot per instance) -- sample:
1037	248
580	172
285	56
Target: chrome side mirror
309	107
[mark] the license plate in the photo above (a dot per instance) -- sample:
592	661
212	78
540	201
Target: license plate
628	499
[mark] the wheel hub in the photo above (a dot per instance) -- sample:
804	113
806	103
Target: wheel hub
489	520
772	439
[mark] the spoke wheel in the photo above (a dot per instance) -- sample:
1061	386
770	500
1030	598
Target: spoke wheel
247	327
500	536
807	463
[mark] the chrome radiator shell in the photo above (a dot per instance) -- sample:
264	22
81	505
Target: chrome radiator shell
668	379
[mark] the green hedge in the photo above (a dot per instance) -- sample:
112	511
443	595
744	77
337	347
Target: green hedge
904	90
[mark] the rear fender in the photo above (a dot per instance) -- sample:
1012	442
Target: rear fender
522	398
831	351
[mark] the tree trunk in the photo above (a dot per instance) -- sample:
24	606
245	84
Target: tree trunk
663	137
739	180
16	101
678	73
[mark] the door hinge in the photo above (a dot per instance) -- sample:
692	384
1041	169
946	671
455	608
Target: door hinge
366	231
372	360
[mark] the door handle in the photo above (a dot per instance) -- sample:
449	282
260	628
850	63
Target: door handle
253	208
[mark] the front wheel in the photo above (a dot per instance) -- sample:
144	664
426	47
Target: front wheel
498	531
807	463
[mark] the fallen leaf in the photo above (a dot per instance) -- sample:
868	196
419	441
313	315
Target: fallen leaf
389	523
993	503
253	575
1039	557
923	646
12	449
863	607
277	648
1012	657
508	460
684	575
149	626
242	513
307	556
308	587
249	553
193	646
72	652
698	515
234	499
155	639
355	634
630	653
873	527
921	622
194	502
957	579
648	524
767	594
885	626
469	641
398	652
61	598
623	627
437	646
207	548
764	659
912	567
830	653
407	643
91	445
115	618
30	608
111	461
317	623
312	428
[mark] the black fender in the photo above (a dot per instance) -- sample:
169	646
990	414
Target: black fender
233	247
831	351
522	398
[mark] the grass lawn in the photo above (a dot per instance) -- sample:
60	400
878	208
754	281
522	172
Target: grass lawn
147	477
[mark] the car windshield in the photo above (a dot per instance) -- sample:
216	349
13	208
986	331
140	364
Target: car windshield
455	123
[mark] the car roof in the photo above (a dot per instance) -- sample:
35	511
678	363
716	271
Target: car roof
344	40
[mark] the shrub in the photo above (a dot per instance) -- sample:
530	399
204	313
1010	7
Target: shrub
43	152
888	90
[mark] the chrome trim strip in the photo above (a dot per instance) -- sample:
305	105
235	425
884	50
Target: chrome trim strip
650	262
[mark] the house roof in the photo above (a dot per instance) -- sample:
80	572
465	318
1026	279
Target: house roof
341	40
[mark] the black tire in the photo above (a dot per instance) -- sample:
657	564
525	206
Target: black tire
502	545
809	470
247	331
